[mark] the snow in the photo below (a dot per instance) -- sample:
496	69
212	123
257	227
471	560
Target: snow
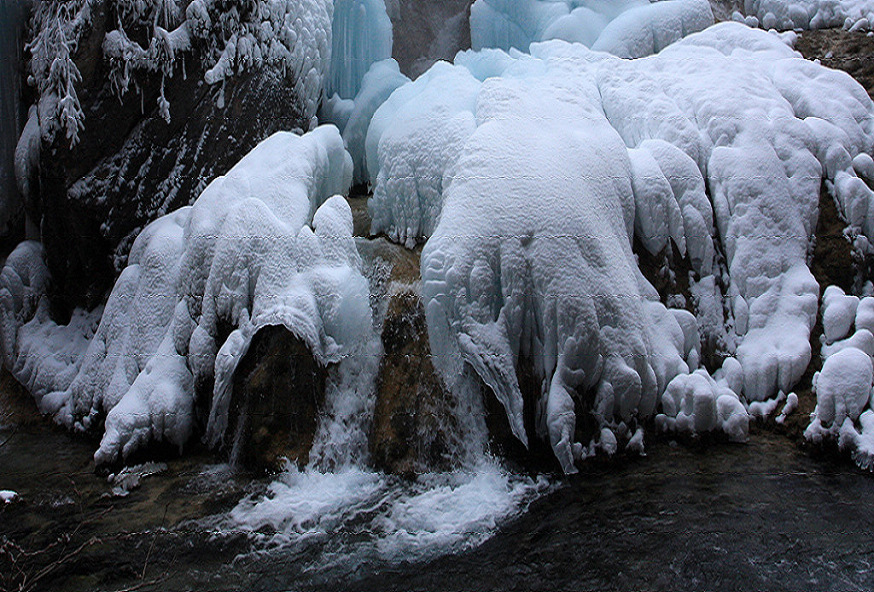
839	313
812	14
553	278
414	137
659	130
361	35
7	496
865	314
627	28
789	408
264	245
695	403
843	386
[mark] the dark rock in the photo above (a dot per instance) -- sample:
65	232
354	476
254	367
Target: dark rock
425	32
131	166
279	391
413	417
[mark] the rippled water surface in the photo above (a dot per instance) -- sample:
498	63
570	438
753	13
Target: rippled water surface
755	516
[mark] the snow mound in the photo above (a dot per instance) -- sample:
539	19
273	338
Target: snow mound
529	258
844	385
839	313
696	403
812	14
627	28
264	245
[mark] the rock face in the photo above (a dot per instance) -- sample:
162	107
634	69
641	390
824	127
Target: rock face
131	166
411	420
425	32
279	390
13	15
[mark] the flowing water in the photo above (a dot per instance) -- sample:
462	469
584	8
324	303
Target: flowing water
720	517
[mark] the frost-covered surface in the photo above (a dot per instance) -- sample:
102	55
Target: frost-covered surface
530	254
243	255
292	37
811	14
627	28
843	387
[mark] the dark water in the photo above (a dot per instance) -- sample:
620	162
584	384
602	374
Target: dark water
761	516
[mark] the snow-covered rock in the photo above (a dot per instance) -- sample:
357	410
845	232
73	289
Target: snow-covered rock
677	114
865	314
839	313
695	403
812	14
843	387
244	256
627	28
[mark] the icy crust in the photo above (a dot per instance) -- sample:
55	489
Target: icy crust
627	28
243	256
811	14
843	387
551	280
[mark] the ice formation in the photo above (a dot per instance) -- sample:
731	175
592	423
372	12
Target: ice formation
811	14
244	255
628	28
362	35
529	258
843	387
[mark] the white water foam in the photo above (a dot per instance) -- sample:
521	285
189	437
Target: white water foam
359	516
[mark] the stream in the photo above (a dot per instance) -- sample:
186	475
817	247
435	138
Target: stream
763	515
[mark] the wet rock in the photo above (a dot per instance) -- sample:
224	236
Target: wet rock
131	166
425	32
279	390
413	418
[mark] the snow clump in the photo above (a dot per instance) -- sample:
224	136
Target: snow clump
627	28
264	245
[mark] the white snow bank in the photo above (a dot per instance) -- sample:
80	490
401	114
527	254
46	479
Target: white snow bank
414	137
839	313
242	256
532	256
627	28
522	237
844	385
812	14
